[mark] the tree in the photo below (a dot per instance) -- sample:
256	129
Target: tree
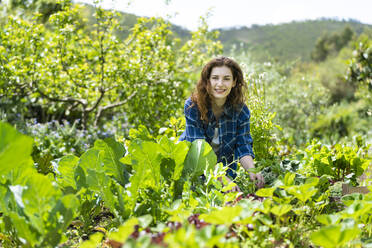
331	44
320	52
66	72
44	7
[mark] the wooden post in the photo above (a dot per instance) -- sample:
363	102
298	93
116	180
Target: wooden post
367	175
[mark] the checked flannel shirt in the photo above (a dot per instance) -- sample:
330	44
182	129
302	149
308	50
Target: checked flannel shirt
234	132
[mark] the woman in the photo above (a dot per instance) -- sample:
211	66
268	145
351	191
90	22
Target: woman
216	112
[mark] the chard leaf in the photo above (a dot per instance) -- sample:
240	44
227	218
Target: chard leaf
87	172
145	159
110	154
15	149
63	212
39	198
24	231
177	152
199	158
65	171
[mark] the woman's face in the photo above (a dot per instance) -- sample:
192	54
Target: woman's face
222	82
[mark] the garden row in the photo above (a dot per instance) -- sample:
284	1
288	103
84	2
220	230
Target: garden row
151	194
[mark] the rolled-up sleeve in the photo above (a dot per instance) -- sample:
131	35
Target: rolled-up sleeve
194	129
244	142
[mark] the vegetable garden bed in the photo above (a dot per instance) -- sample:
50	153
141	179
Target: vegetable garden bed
150	194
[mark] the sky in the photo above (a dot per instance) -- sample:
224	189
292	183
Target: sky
237	13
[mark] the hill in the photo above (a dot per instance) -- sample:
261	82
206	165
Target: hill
286	41
283	42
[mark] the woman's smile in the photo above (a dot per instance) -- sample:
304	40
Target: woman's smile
220	91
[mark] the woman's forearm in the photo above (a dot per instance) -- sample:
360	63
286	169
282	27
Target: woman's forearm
247	162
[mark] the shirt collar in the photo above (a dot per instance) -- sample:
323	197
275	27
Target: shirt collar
227	109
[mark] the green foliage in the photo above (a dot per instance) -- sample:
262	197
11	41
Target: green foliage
262	123
285	42
359	73
150	185
360	66
199	158
331	75
341	162
157	182
244	182
161	169
95	72
53	140
334	236
331	44
340	121
44	8
35	212
13	145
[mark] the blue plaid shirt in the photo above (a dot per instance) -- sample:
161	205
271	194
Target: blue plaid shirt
234	132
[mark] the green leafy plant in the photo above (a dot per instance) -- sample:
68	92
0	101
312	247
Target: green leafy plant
35	213
341	162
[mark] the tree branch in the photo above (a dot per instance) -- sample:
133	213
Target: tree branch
97	102
66	99
114	105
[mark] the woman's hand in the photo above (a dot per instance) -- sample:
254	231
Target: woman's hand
247	163
258	178
234	189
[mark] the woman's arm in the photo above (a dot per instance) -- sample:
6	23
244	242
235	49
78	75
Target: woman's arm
193	129
244	149
247	163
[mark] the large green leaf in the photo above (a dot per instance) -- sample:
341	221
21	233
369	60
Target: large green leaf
94	241
115	198
63	212
225	215
280	210
39	198
305	191
265	192
357	209
334	236
24	230
86	173
110	154
328	219
90	160
66	170
15	149
199	158
176	152
145	159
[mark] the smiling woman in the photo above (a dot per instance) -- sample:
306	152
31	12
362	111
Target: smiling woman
217	113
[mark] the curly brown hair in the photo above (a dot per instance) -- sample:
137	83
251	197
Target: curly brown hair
201	96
